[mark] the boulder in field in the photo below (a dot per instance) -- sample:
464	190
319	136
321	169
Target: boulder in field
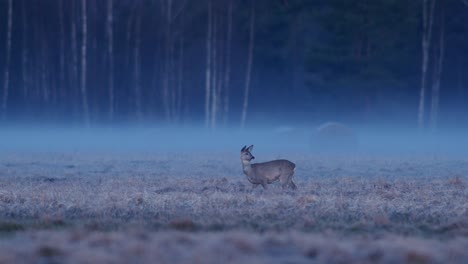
334	137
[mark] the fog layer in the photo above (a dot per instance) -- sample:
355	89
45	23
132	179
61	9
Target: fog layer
268	138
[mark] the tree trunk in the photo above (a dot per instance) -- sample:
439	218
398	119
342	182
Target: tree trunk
24	53
438	62
128	50
214	88
93	54
73	79
227	75
36	88
43	61
84	96
180	78
220	69
167	98
6	80
460	82
158	71
428	17
128	37
137	84
208	65
61	85
110	53
249	66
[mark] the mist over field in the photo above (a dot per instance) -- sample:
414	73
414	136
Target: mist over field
174	194
268	138
116	204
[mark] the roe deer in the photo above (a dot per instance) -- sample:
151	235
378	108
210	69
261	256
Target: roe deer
267	172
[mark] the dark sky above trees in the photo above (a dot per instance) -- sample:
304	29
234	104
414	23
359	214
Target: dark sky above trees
154	60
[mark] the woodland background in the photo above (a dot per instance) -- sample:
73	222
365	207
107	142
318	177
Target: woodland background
234	61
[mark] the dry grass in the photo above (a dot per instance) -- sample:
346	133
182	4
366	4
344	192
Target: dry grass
107	208
223	247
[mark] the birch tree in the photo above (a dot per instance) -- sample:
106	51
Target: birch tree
73	77
136	56
166	93
45	88
180	77
6	80
24	52
427	23
214	88
438	64
220	70
249	65
110	53
84	96
227	74
208	64
62	48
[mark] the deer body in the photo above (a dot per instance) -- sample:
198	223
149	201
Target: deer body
267	172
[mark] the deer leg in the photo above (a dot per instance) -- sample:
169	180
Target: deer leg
284	180
292	184
287	181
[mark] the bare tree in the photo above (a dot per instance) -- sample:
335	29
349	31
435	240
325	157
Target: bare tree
6	80
180	77
62	48
35	73
128	35
73	77
208	64
24	52
227	74
137	85
45	88
110	53
249	65
171	74
84	96
438	63
220	43
166	93
214	88
427	21
460	80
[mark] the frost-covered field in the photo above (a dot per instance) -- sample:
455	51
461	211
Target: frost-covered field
140	207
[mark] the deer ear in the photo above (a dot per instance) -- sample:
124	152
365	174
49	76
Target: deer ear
250	148
243	149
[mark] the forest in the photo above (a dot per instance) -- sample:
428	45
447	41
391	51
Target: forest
233	61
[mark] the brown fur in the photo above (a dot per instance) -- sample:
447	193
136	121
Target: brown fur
267	172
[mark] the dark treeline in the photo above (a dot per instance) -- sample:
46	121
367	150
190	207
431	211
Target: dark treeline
231	61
